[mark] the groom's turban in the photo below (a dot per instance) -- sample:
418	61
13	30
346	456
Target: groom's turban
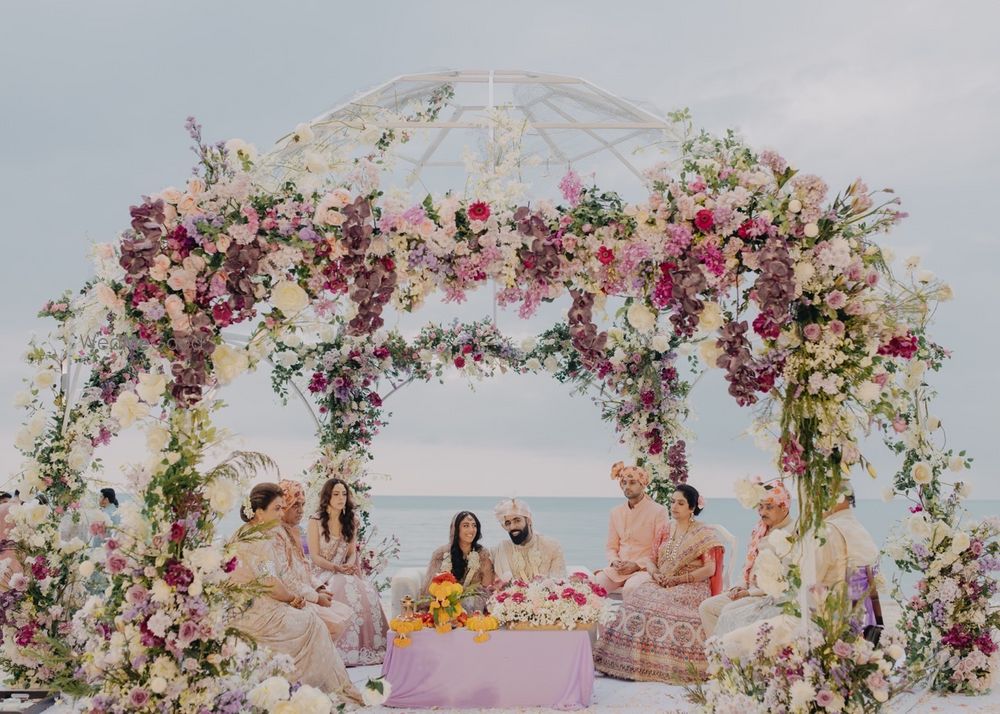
511	507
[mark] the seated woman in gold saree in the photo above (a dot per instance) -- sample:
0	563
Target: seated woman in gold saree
277	618
657	635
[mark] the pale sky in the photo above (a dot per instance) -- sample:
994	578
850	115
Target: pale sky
94	98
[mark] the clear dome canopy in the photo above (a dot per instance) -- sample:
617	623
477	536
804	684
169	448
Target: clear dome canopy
456	130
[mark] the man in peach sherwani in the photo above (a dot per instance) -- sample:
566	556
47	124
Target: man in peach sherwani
631	530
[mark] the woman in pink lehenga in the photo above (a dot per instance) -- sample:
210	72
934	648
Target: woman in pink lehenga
333	547
278	618
657	635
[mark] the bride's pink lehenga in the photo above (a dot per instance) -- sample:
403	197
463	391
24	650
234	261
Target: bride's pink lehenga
657	635
364	640
282	628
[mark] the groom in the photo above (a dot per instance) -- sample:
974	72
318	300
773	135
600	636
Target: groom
527	554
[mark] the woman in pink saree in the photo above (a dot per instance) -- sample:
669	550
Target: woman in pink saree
657	635
333	547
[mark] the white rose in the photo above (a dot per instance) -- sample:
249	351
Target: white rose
160	591
372	698
794	206
289	297
86	568
895	652
956	463
303	133
945	293
229	363
925	276
533	365
268	693
933	423
151	387
157	437
238	146
869	391
528	344
709	352
888	495
31	472
641	317
551	363
918	526
309	700
72	545
158	685
195	588
963	489
939	531
660	343
127	409
287	359
711	317
22	399
748	493
912	262
315	162
222	494
959	542
206	559
45	379
811	230
922	473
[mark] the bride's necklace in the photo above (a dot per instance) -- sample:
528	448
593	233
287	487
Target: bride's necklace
673	545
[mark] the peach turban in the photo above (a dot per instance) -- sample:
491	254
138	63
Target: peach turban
292	491
778	494
510	507
620	471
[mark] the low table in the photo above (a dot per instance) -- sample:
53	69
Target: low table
527	668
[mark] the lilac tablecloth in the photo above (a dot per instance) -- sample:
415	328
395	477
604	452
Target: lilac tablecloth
513	669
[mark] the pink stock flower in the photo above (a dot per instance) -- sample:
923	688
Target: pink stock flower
571	187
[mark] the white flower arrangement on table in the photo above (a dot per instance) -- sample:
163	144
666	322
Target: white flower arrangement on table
551	601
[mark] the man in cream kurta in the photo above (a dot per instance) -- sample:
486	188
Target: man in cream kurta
527	554
742	600
848	546
631	529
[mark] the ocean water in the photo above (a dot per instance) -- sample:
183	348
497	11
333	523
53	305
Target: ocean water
581	524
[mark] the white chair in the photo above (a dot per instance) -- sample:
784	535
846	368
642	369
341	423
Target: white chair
408	581
729	541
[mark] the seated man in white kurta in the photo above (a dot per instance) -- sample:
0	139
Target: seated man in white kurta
847	546
738	604
527	554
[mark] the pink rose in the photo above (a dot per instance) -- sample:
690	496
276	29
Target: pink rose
836	327
836	299
812	331
116	563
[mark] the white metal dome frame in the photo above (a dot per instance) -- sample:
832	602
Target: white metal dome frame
567	121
